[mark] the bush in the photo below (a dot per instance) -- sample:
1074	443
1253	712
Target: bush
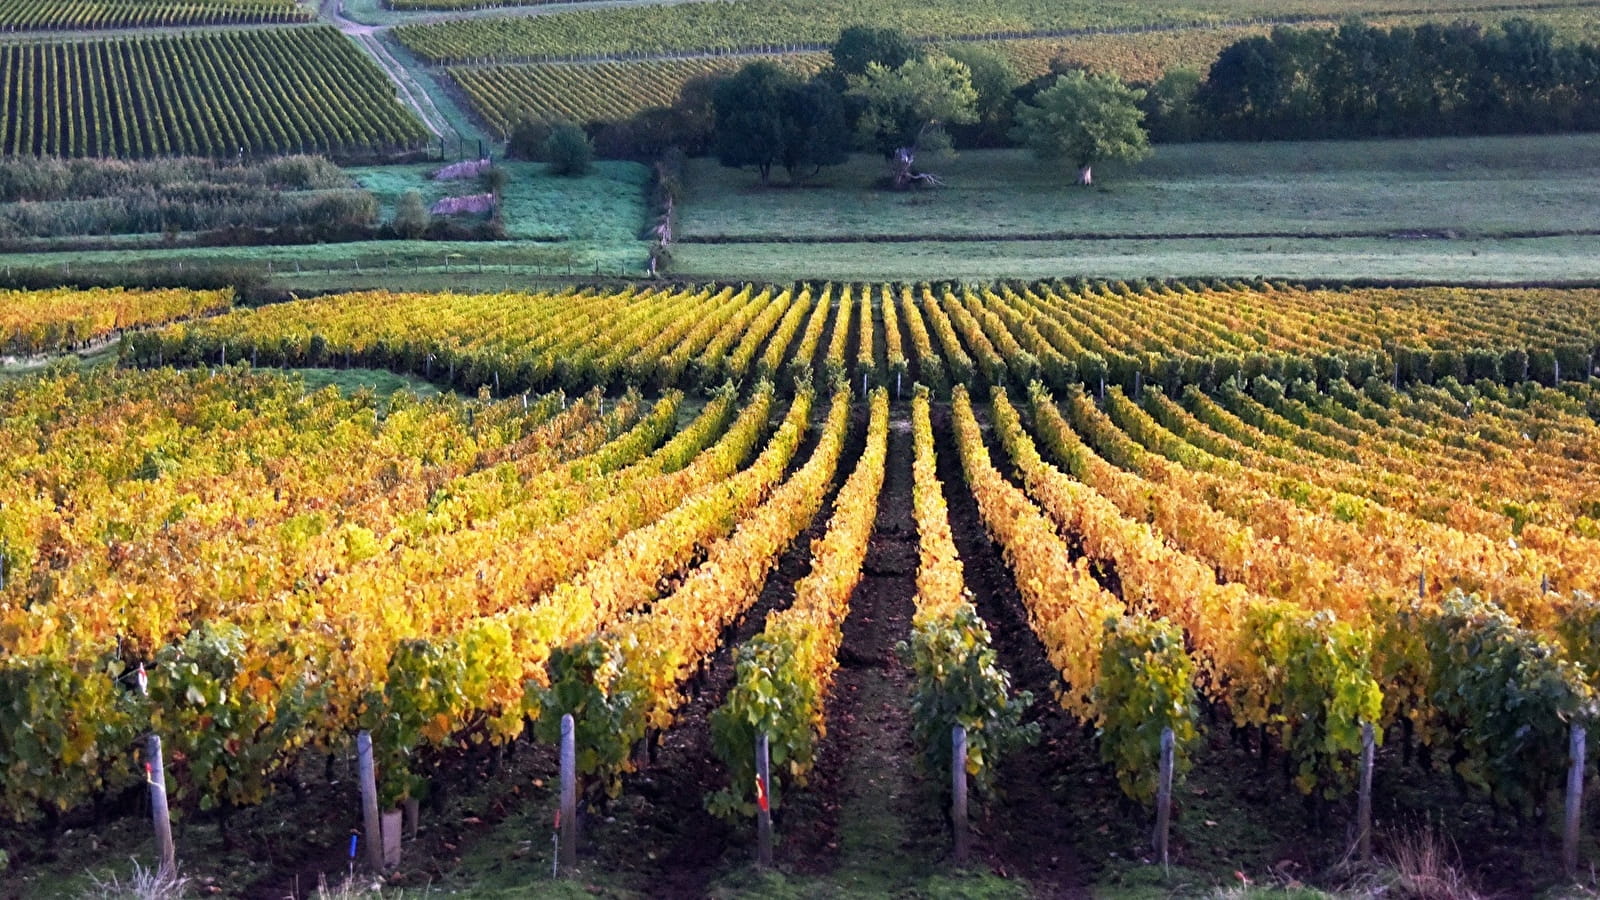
568	150
410	216
528	140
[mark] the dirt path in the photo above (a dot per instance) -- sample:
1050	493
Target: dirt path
1035	827
412	93
868	820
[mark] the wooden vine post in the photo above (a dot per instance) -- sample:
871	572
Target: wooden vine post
567	817
1577	753
763	803
958	793
367	775
1364	799
1164	797
156	772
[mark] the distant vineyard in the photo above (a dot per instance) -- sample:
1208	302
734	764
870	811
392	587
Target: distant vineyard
1170	334
617	89
47	321
204	94
27	15
758	24
592	92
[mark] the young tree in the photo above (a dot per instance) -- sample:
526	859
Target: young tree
996	81
1084	119
907	107
410	216
1169	112
749	117
569	150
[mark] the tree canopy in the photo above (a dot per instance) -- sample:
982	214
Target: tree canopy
906	106
767	116
1084	119
860	46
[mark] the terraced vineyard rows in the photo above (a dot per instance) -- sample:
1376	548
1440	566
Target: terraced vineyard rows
216	93
29	15
34	322
1253	508
772	24
589	92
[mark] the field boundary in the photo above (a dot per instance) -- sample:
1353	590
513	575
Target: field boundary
1419	234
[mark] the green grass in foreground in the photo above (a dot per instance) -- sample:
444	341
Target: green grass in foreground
1478	187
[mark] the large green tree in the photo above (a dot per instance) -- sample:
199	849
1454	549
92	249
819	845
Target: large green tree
1084	119
907	108
767	116
749	116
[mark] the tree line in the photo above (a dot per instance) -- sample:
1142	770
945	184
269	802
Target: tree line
888	94
1360	81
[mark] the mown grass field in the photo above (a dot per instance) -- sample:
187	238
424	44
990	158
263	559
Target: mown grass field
607	206
1481	209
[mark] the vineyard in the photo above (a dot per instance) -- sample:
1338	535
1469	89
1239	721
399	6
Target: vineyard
1228	513
216	94
33	322
30	15
782	24
591	92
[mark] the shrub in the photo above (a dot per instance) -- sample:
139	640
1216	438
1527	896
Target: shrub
569	151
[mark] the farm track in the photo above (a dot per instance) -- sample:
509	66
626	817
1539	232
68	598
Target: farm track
867	804
1033	828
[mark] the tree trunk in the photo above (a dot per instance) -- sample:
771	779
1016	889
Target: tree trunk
1085	177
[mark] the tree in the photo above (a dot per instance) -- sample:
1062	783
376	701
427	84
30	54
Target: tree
410	216
527	139
569	150
996	81
1084	119
860	46
766	116
1169	112
907	107
814	132
749	117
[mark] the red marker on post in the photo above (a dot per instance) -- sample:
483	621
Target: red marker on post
761	794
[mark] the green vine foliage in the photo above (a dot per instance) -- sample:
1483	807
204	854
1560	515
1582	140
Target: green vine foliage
959	682
605	724
1146	686
1506	699
421	688
56	719
774	693
227	730
1317	673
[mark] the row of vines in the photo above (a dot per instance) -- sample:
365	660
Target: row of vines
218	94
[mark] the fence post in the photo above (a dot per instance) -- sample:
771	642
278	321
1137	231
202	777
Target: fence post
1569	844
763	803
958	793
371	824
1164	797
156	771
1364	800
569	795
